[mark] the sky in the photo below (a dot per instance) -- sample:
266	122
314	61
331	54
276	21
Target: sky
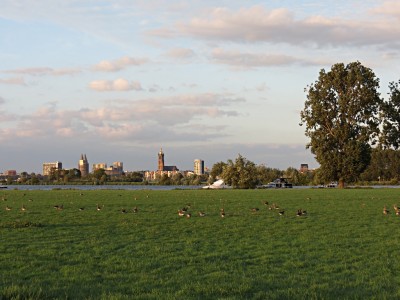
119	79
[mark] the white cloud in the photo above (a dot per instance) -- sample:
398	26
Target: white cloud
13	81
161	118
42	71
119	64
257	24
388	8
119	84
180	53
251	60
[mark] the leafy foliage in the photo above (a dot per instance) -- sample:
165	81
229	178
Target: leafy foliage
384	166
341	115
240	174
217	170
391	118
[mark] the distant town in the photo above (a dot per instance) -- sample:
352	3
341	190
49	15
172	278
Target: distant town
101	172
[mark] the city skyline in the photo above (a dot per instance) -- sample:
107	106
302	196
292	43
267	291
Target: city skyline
205	79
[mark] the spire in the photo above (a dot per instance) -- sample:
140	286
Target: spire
81	156
85	157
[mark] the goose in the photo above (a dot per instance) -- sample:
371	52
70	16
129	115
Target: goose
61	207
385	211
301	212
23	208
281	213
255	209
99	207
265	203
273	206
395	207
181	213
202	214
222	214
123	211
81	208
189	215
397	212
135	209
8	208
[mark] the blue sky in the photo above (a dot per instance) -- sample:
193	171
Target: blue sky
119	79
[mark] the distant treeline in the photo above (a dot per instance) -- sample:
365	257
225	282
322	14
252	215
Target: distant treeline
384	169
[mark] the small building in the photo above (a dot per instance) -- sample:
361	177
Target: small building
10	173
116	169
99	166
303	168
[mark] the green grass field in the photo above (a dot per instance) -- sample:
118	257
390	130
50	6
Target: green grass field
345	248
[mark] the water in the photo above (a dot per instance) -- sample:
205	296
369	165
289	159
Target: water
140	187
100	187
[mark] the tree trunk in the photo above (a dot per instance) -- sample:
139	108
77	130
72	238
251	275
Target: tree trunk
341	184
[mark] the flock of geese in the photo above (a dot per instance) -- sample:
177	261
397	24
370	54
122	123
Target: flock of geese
396	210
184	212
61	207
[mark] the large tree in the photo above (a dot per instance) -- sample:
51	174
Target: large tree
391	118
240	174
341	116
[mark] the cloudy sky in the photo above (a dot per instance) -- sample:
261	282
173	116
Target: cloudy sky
118	79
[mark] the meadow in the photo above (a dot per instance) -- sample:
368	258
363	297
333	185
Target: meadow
344	248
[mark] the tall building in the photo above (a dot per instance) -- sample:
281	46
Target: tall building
162	169
162	166
161	160
198	166
83	165
49	167
118	165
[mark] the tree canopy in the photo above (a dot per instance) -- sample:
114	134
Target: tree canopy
341	118
240	174
391	118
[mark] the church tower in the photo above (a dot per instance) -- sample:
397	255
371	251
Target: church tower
83	165
161	160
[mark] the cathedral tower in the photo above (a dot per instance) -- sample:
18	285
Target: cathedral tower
161	160
83	165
